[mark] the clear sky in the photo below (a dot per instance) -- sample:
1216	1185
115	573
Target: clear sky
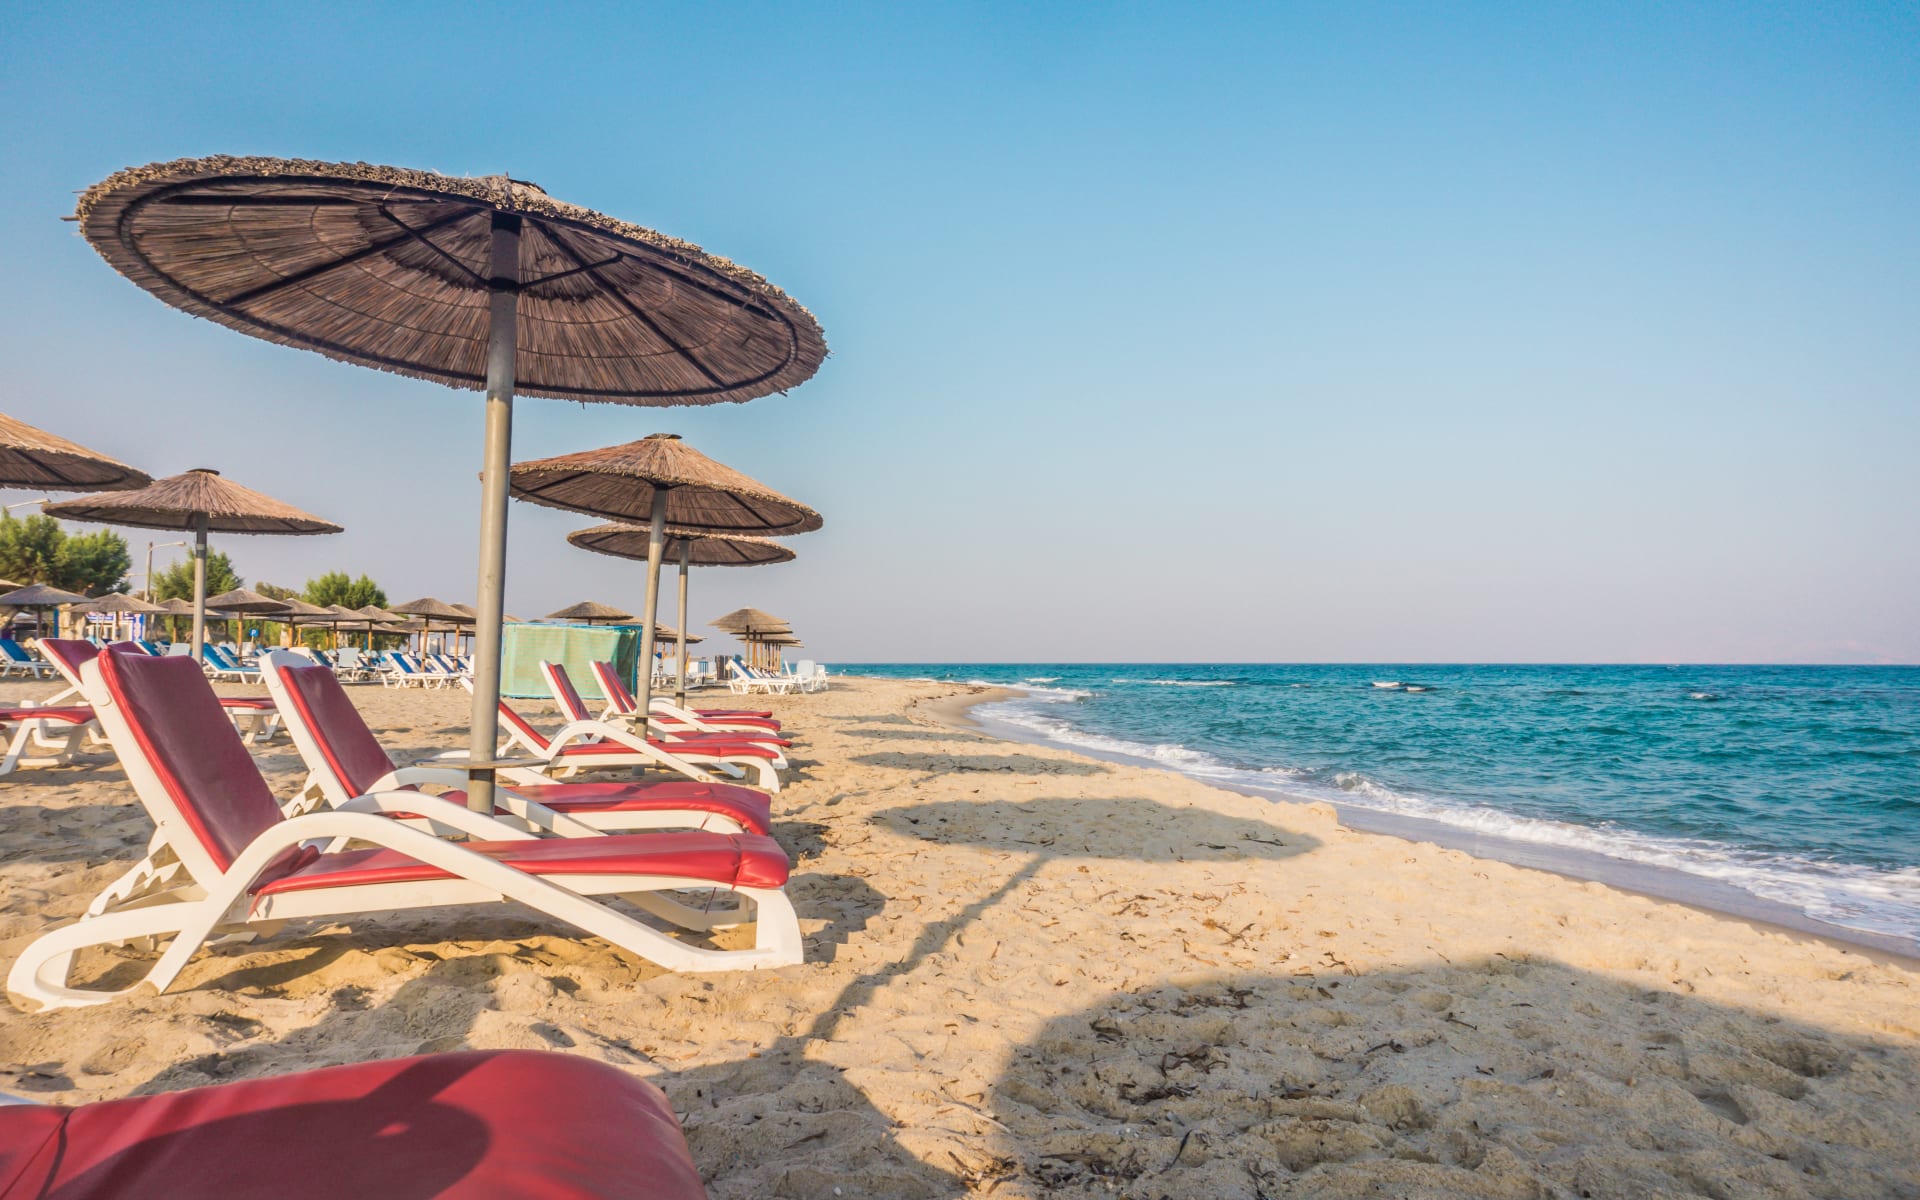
1449	332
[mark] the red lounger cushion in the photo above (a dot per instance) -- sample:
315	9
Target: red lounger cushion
752	809
695	749
481	1125
71	714
726	859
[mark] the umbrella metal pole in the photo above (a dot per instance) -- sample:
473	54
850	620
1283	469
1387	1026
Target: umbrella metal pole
200	587
490	606
686	560
656	550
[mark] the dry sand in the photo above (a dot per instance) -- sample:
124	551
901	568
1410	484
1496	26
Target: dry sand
1032	973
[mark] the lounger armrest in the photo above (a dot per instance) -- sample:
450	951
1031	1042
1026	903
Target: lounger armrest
533	813
440	812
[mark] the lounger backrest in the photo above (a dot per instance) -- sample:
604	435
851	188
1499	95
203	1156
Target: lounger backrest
614	687
15	651
564	693
68	655
534	736
183	756
326	726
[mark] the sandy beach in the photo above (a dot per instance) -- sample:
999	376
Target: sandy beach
1034	973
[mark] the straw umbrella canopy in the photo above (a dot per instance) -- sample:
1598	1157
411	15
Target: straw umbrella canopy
751	620
34	458
470	282
41	596
119	604
592	612
662	480
244	602
690	549
201	501
430	610
122	604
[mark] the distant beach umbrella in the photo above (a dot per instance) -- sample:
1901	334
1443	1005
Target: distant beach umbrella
432	612
121	604
591	612
690	549
240	603
470	282
664	481
43	597
201	501
34	458
751	620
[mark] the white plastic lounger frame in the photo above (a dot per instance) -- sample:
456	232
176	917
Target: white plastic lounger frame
185	893
518	736
324	785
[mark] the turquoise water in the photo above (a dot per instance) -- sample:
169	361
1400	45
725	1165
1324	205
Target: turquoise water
1798	785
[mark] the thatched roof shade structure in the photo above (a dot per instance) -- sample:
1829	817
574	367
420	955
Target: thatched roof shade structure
430	609
245	600
666	482
34	458
690	548
120	602
179	501
176	607
373	612
40	595
299	610
471	282
751	620
592	612
700	549
702	496
390	268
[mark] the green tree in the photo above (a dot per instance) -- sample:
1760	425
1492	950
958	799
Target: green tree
38	550
336	588
274	591
176	581
30	549
94	563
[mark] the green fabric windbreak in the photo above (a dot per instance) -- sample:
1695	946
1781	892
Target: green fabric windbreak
577	647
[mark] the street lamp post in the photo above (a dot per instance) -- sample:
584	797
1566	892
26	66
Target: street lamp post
146	593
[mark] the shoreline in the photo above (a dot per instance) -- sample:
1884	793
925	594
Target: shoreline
1654	883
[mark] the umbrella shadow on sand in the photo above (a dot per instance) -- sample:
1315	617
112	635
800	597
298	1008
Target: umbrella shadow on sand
1504	1076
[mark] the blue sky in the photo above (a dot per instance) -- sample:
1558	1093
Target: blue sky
1555	332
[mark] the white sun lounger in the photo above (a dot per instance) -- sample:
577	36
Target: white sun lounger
226	860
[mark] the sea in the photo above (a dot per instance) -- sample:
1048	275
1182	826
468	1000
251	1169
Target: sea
1789	794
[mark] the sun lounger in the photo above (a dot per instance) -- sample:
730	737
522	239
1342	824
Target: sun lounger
660	733
345	760
620	703
221	664
254	716
42	735
476	1125
744	680
594	746
228	860
15	660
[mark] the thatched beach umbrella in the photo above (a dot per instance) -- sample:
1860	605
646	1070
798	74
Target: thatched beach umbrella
240	603
119	604
591	612
34	458
470	282
430	610
201	501
689	549
752	627
43	597
664	481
